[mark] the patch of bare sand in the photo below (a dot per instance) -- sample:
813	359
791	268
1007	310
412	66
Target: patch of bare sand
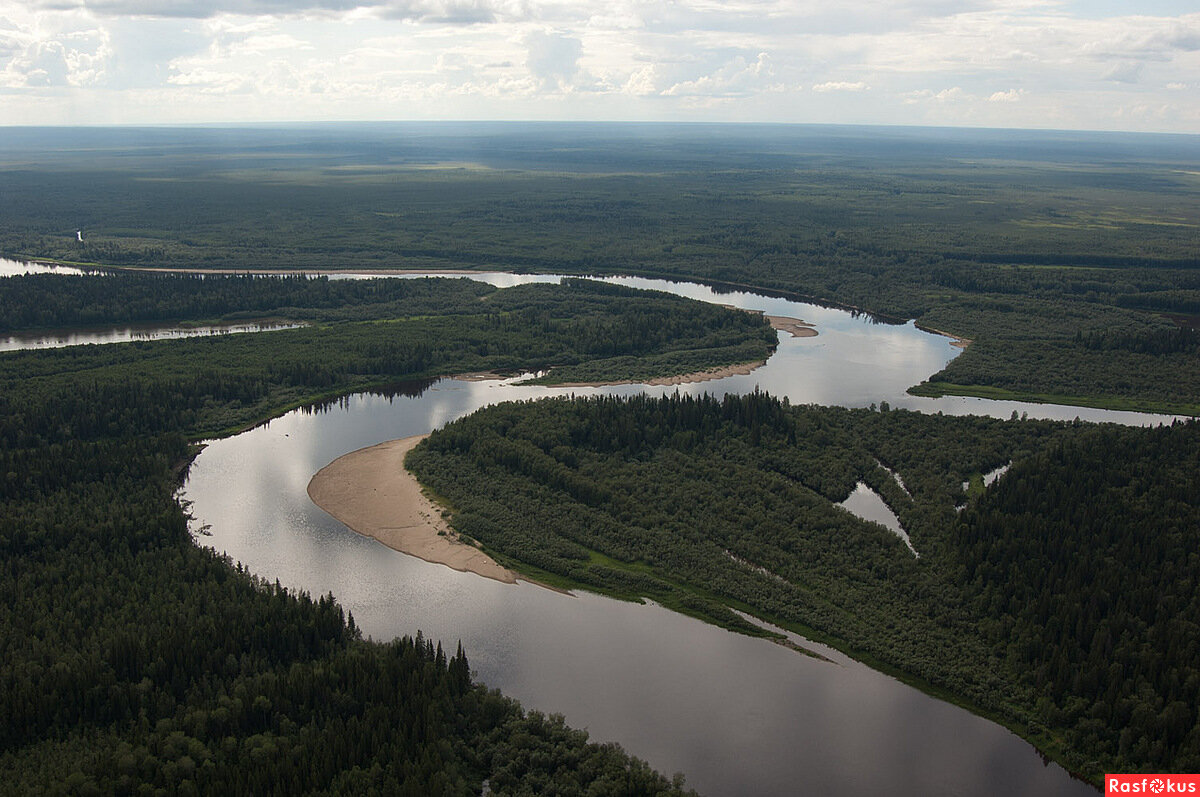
798	328
371	492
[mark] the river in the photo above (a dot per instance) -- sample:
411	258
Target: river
736	715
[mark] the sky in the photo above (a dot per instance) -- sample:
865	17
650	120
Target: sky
1063	64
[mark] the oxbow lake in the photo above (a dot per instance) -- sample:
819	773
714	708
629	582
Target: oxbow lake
738	716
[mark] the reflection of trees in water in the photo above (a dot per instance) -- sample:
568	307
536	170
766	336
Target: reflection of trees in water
412	388
726	288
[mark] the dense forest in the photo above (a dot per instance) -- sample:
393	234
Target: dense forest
1019	242
134	662
1061	600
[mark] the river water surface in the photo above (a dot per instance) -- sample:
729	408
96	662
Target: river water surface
736	715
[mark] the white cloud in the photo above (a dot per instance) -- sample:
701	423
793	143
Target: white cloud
735	78
887	61
1012	95
553	59
953	94
840	85
60	58
1126	72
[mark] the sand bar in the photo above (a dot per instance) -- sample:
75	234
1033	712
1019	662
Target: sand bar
798	328
371	492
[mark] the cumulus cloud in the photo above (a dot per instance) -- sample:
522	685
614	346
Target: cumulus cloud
74	58
899	61
840	85
1012	95
553	58
952	94
443	11
736	78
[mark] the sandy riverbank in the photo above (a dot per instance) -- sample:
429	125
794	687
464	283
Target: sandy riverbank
955	340
681	379
371	492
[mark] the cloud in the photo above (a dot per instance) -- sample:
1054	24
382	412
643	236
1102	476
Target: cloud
553	58
441	11
1128	72
898	62
1012	95
953	94
840	85
735	78
72	58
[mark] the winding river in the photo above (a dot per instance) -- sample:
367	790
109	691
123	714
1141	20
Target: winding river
736	715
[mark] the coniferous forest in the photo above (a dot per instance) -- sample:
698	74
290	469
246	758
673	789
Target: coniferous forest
1061	600
135	662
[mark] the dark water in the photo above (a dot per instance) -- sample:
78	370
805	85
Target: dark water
737	715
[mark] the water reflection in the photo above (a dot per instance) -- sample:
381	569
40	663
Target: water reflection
58	338
867	504
737	715
15	268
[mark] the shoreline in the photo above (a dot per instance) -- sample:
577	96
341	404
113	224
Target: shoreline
957	341
302	271
720	372
794	326
373	494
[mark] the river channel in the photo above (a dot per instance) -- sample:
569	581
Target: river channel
736	715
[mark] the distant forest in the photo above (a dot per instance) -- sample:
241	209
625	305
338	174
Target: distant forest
1061	600
1034	245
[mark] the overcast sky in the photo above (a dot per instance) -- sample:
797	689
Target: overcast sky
1079	64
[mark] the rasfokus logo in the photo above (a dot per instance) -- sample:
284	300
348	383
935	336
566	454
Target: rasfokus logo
1152	784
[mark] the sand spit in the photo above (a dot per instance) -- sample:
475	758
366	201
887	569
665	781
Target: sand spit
371	492
481	376
798	328
955	340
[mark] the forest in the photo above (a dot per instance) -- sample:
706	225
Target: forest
1062	600
133	661
1020	242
